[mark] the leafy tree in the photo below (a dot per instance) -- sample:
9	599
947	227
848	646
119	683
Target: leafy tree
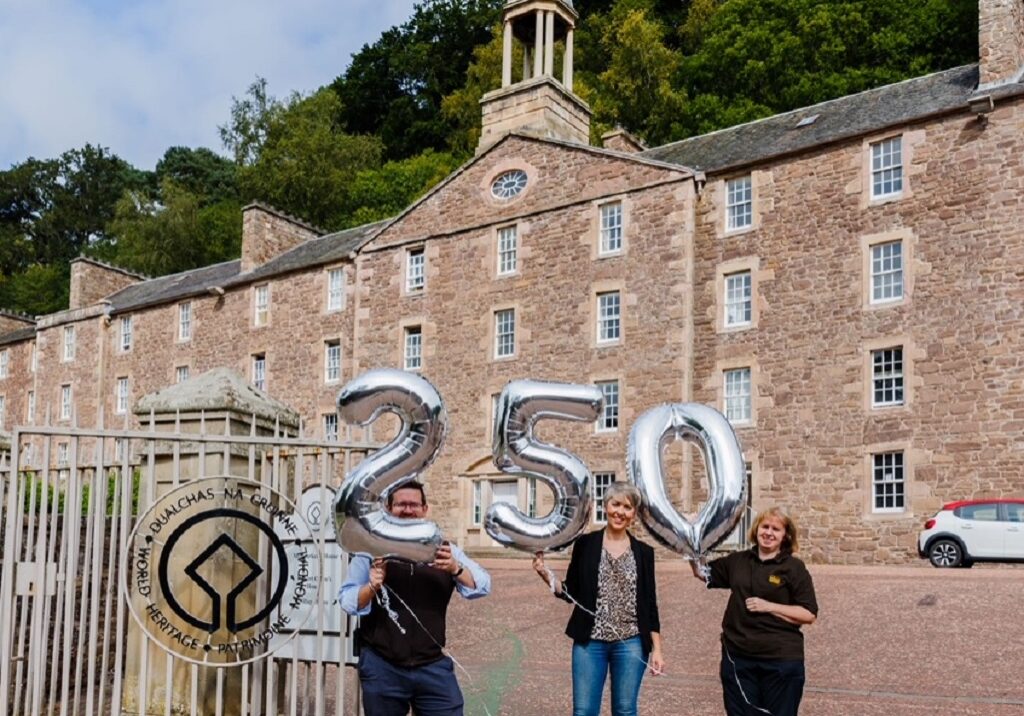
173	233
295	157
461	108
394	88
381	193
200	171
37	289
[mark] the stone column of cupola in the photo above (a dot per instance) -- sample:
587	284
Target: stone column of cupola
567	61
506	55
538	46
549	45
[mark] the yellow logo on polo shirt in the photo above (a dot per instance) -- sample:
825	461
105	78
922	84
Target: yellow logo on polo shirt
774	580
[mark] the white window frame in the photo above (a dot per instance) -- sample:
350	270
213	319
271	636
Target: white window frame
30	408
887	280
608	420
739	299
261	305
611	228
126	334
185	321
737	395
888	482
416	270
63	454
504	333
739	203
609	317
531	497
412	348
121	396
332	361
887	377
330	423
182	373
508	250
33	362
602	480
476	508
3	409
259	371
335	289
887	168
5	362
66	401
69	343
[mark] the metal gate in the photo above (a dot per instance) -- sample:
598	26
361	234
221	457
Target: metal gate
70	498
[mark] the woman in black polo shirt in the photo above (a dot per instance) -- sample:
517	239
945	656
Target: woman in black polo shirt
772	596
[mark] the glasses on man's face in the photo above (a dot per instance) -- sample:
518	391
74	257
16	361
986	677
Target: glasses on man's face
407	505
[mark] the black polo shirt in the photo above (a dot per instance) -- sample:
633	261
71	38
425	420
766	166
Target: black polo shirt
783	580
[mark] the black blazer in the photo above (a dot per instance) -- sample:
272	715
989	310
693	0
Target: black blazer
581	583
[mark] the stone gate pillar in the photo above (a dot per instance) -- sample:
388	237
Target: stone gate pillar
217	403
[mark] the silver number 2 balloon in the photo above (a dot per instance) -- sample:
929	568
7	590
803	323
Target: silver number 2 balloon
517	452
723	460
362	523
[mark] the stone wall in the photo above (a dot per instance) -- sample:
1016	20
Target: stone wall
267	233
92	281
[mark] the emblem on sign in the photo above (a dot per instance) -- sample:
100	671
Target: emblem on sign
207	574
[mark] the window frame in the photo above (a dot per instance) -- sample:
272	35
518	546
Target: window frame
508	255
412	336
744	400
877	278
127	329
609	321
739	203
185	321
180	370
332	360
504	339
746	303
69	344
611	228
67	400
259	371
335	300
891	380
611	409
121	389
30	407
899	494
5	363
330	434
416	271
878	168
599	489
261	305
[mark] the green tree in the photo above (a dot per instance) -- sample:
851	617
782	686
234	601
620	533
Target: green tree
394	87
461	108
294	156
200	171
381	193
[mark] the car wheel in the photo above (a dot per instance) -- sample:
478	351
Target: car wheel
945	553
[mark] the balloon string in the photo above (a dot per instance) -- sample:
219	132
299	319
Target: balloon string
551	583
385	603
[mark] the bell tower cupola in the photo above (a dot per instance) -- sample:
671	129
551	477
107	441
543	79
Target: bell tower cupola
531	97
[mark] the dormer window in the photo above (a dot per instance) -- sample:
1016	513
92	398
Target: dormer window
509	185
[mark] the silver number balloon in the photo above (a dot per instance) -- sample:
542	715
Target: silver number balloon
723	460
517	452
363	524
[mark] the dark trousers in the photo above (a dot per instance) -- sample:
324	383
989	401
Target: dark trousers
389	690
756	687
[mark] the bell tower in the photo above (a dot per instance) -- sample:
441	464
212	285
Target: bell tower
533	99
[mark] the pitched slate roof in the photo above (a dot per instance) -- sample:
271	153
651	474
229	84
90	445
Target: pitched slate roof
167	289
16	336
835	120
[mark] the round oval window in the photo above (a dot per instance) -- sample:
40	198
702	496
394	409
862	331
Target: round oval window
509	184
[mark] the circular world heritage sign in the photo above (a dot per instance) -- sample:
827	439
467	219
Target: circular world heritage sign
207	574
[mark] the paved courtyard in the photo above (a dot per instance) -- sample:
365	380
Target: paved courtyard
889	641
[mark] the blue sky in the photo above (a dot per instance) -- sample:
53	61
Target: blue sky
139	76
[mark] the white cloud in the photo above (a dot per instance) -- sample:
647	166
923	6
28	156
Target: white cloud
139	76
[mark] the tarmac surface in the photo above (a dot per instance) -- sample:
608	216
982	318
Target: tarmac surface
889	641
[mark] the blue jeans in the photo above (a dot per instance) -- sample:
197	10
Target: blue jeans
389	690
590	665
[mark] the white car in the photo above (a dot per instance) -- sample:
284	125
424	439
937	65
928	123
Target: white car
970	531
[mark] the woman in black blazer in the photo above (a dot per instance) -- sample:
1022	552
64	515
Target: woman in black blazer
614	625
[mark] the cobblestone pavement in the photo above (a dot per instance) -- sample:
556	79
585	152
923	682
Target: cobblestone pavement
889	641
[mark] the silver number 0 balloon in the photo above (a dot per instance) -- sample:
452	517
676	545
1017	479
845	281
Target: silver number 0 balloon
723	460
362	523
516	452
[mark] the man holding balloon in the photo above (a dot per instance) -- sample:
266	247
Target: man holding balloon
402	663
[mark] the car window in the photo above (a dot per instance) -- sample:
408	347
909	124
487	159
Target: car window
983	512
1014	512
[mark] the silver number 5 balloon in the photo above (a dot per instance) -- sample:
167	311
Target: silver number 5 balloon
363	525
723	460
516	452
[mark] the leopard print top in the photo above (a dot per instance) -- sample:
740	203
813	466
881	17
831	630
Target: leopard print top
616	598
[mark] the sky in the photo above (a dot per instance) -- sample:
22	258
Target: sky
139	76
